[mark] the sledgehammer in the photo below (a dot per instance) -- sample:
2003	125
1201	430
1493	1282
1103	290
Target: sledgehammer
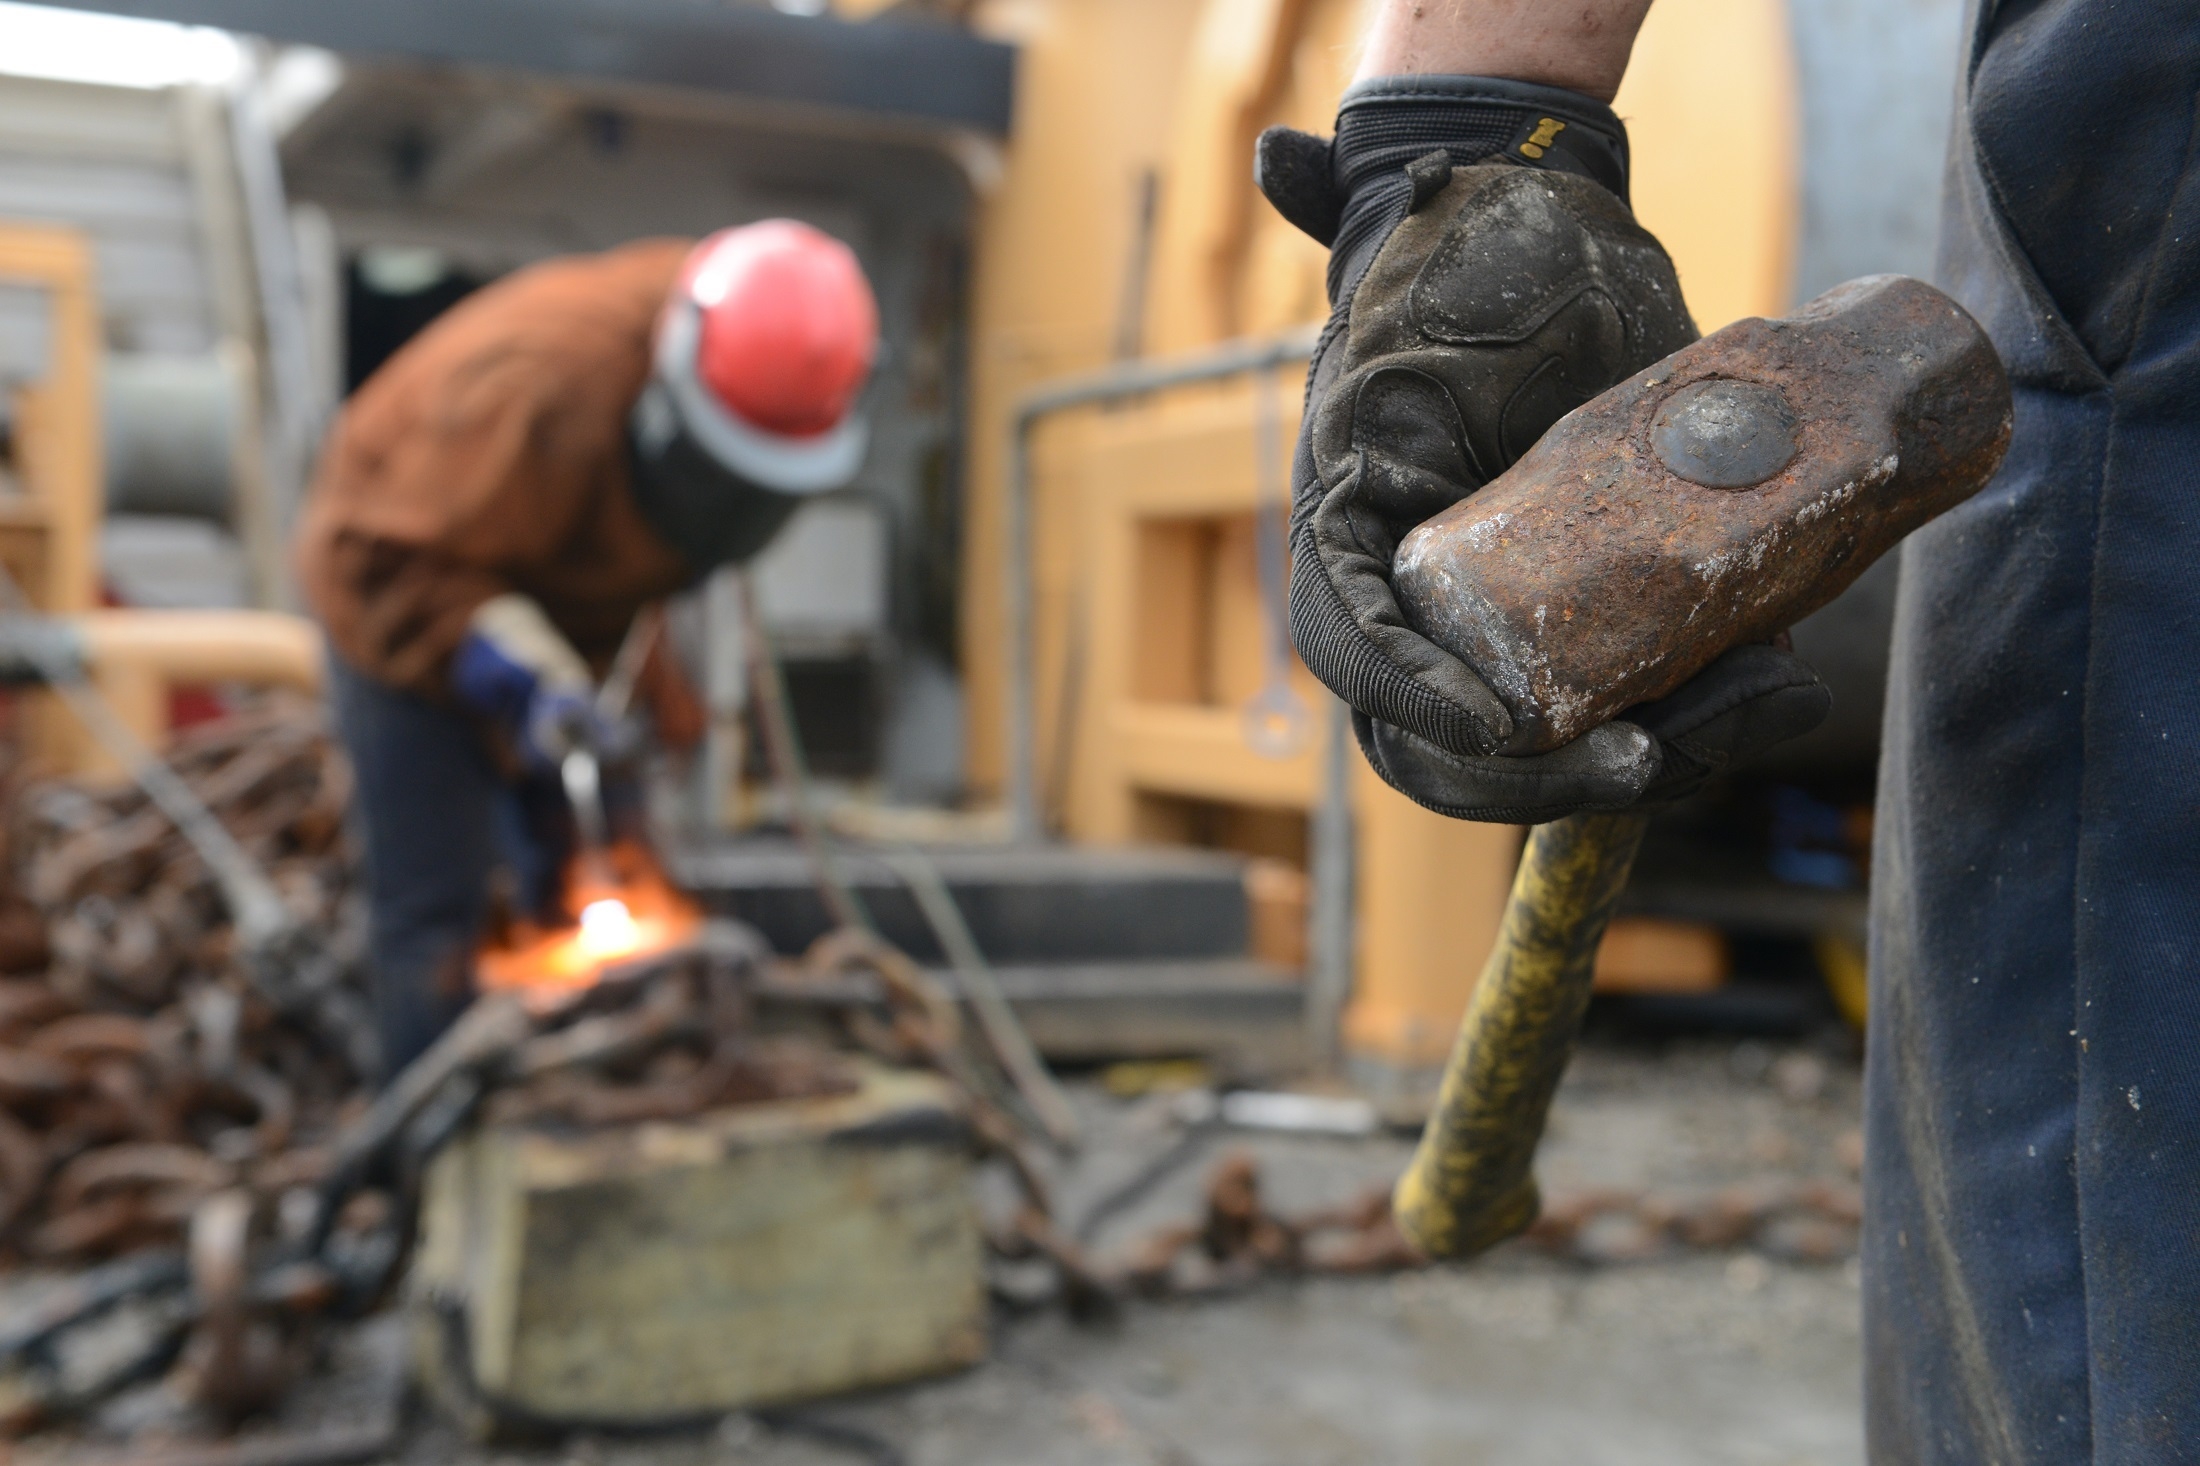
1710	501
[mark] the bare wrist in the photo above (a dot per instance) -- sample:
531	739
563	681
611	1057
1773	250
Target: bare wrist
1581	46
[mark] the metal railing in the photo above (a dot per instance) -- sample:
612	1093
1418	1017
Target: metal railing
1330	935
1114	384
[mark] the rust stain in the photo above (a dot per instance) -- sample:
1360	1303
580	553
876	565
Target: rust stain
1712	500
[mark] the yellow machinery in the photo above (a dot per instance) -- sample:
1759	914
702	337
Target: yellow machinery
1120	659
1126	648
51	510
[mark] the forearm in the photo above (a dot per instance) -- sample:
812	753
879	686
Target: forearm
1581	45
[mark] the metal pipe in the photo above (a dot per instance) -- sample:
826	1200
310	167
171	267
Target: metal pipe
1115	384
265	648
1329	927
726	695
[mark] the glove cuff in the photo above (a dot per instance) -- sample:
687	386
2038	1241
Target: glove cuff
522	632
1388	122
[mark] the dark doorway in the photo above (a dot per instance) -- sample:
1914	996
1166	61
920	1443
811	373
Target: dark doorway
389	297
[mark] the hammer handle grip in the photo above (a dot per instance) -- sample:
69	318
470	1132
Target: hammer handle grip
1471	1183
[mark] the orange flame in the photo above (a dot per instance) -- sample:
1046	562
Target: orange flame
635	912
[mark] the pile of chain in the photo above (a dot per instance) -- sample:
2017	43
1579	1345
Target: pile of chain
227	1153
142	1073
1239	1240
1810	1221
726	1024
277	1242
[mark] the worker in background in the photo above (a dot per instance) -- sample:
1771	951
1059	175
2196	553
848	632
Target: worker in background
2032	1091
497	503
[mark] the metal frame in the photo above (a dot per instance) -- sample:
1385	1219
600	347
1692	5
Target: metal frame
1330	938
931	74
1114	384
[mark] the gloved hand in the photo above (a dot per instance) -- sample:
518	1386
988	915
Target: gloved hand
518	671
1486	278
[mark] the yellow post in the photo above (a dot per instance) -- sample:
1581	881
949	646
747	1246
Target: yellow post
49	528
1431	894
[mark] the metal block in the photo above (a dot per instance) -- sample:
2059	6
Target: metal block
671	1270
1721	495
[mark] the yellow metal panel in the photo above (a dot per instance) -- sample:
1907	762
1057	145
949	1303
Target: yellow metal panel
59	429
1200	752
1711	111
1282	275
52	531
1237	53
1101	804
1431	894
1646	954
1189	454
1238	626
1096	84
1226	264
1173	660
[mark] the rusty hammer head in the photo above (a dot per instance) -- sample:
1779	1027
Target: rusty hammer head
1712	500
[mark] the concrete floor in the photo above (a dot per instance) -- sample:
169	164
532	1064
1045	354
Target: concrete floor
1520	1359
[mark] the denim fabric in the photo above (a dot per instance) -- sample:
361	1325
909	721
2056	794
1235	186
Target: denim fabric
436	821
2032	1238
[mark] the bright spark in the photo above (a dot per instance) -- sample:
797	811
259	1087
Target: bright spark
608	929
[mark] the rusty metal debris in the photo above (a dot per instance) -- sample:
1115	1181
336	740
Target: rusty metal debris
143	1073
158	1108
1799	1221
1238	1240
1718	497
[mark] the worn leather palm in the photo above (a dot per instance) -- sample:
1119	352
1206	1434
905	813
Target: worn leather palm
1487	278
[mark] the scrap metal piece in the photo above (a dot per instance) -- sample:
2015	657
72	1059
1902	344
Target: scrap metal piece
86	1296
1714	499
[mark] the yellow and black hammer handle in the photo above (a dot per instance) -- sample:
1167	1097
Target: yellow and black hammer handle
1472	1183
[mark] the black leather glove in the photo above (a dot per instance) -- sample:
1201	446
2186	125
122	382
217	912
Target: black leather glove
1486	278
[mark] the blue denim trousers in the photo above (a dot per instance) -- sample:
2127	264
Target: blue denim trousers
2032	1086
436	820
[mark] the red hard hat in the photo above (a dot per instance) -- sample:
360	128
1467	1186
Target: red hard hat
763	347
789	327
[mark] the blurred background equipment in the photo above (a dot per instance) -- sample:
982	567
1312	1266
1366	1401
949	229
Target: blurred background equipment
1035	641
1073	628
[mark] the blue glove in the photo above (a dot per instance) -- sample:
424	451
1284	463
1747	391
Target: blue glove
517	671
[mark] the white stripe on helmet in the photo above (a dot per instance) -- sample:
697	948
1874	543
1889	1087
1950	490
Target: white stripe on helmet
786	465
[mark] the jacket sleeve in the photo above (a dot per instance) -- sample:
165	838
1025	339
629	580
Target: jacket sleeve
438	501
393	611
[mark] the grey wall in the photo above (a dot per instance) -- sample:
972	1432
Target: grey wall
1878	80
111	161
1878	83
